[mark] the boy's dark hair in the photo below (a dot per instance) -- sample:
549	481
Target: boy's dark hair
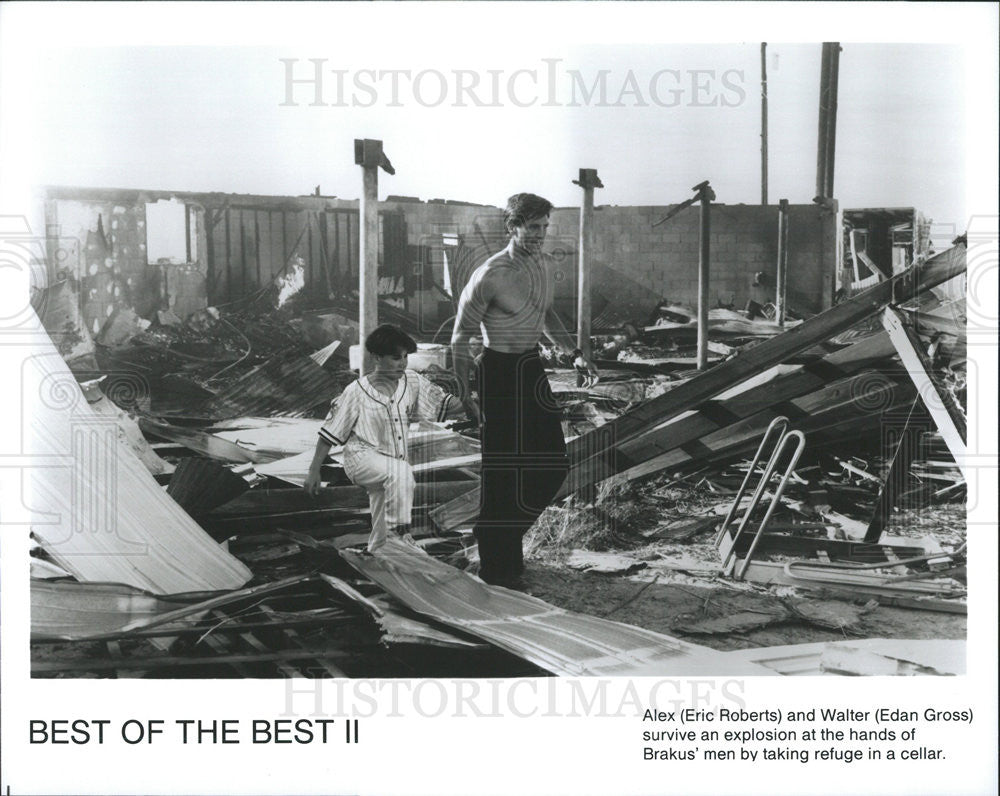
387	340
522	207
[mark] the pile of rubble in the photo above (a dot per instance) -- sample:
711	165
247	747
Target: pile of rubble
670	485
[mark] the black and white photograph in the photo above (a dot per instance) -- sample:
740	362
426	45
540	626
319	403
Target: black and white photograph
396	387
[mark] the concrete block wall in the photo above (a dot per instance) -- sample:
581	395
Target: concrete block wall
425	221
744	240
113	271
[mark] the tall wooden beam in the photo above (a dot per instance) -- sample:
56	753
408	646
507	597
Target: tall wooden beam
368	154
827	131
781	291
763	123
588	181
705	196
831	114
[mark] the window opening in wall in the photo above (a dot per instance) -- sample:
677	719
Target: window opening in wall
170	234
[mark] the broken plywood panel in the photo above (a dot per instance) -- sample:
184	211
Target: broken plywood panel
559	641
94	506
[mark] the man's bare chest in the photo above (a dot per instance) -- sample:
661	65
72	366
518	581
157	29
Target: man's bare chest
522	292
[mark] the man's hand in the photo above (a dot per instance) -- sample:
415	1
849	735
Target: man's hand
312	483
472	410
585	368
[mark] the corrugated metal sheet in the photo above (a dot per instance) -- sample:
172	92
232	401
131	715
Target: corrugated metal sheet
291	388
95	508
559	641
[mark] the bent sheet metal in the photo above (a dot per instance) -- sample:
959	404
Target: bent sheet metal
562	642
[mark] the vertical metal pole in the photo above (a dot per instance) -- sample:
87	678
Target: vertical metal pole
588	181
703	263
782	279
763	123
368	271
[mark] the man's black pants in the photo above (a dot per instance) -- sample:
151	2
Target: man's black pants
524	457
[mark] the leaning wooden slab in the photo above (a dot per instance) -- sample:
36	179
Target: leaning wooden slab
564	643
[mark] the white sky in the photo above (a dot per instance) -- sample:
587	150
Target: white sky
205	117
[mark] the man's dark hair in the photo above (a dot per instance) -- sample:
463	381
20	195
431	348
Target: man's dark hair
388	340
522	207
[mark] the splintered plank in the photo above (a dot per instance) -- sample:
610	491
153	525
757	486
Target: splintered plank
592	456
557	640
860	396
737	404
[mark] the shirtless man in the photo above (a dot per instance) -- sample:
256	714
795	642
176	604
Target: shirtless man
508	300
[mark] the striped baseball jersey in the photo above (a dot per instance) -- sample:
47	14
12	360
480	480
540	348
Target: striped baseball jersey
363	416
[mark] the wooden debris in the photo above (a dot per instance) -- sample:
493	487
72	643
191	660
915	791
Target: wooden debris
685	530
593	457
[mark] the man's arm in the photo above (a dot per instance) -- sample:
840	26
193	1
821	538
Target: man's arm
472	306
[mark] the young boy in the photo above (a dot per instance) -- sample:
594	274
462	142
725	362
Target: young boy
371	419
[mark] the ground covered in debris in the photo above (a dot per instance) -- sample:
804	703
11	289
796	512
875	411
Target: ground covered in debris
867	539
606	559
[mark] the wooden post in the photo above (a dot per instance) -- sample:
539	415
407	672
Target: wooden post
824	79
782	278
763	123
833	82
368	154
705	195
588	181
827	135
